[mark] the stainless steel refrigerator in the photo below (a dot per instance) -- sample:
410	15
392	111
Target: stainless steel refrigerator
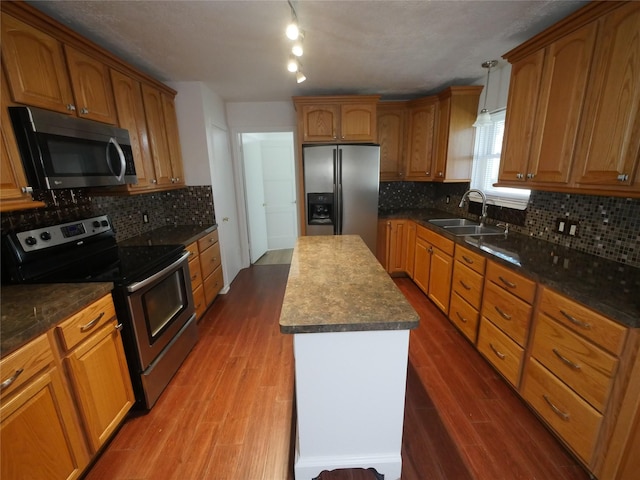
341	190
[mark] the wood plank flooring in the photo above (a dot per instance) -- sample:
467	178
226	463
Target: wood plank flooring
227	414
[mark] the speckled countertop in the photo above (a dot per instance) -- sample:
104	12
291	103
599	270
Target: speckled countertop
336	284
170	235
610	288
28	311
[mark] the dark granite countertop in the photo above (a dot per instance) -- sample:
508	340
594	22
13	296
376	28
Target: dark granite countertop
336	284
608	287
28	311
170	235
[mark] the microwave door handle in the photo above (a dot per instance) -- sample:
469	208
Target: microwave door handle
115	143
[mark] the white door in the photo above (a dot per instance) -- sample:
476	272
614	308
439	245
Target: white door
278	169
254	194
225	204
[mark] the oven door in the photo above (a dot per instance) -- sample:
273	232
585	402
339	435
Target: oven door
159	307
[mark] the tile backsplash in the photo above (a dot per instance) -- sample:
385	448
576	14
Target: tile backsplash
607	227
191	205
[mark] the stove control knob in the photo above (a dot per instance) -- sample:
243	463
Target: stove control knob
96	224
104	223
45	236
30	241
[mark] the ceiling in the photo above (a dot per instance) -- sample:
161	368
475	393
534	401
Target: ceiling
397	48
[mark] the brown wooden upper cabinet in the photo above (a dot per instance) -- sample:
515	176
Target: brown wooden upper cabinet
457	110
573	112
421	138
43	72
338	119
392	118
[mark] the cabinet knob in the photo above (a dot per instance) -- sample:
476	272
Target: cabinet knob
153	180
84	111
530	176
519	176
623	177
427	173
70	107
27	189
440	174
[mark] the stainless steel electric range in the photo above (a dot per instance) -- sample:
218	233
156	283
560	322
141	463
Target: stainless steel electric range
152	290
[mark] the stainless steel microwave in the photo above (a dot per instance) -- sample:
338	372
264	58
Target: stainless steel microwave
60	151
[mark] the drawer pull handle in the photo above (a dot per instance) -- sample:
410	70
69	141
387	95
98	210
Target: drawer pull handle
565	360
92	323
507	282
465	286
194	276
119	327
575	321
498	353
467	259
462	319
556	410
9	381
506	316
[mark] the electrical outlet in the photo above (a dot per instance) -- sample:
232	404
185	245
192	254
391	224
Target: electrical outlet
573	229
145	217
448	199
561	225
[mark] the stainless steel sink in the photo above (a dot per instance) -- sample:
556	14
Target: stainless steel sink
474	230
452	222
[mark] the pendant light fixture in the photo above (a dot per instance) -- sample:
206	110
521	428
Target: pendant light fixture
484	117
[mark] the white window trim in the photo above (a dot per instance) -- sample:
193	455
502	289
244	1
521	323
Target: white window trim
486	161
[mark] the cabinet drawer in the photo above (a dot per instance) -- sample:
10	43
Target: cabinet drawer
210	260
195	272
468	284
192	248
208	240
515	283
473	260
20	366
587	369
464	316
436	240
568	414
509	313
199	302
500	350
597	328
212	285
81	325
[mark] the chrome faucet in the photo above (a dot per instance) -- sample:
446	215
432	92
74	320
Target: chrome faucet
484	203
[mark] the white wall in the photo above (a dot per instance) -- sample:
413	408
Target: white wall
201	119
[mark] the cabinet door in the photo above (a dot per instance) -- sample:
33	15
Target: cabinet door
130	109
38	435
157	132
391	127
35	67
440	279
397	247
564	81
410	243
12	177
320	123
100	378
523	94
358	123
442	138
382	245
91	87
421	151
173	138
422	265
609	142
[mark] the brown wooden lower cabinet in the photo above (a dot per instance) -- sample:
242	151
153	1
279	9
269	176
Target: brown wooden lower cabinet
577	369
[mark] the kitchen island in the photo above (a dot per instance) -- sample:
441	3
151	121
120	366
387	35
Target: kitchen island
351	339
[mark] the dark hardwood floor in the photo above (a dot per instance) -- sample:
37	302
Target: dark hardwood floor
227	414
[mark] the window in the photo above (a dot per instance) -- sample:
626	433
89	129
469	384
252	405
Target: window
486	164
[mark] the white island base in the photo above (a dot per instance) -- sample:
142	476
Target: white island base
350	392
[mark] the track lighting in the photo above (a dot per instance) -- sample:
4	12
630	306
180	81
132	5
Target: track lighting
294	33
300	76
297	49
292	65
292	30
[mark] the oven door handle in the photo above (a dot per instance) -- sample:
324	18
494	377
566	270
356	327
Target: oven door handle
156	276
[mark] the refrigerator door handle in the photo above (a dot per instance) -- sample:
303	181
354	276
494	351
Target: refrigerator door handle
338	190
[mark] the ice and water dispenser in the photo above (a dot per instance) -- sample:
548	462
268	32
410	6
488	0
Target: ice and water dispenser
320	208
